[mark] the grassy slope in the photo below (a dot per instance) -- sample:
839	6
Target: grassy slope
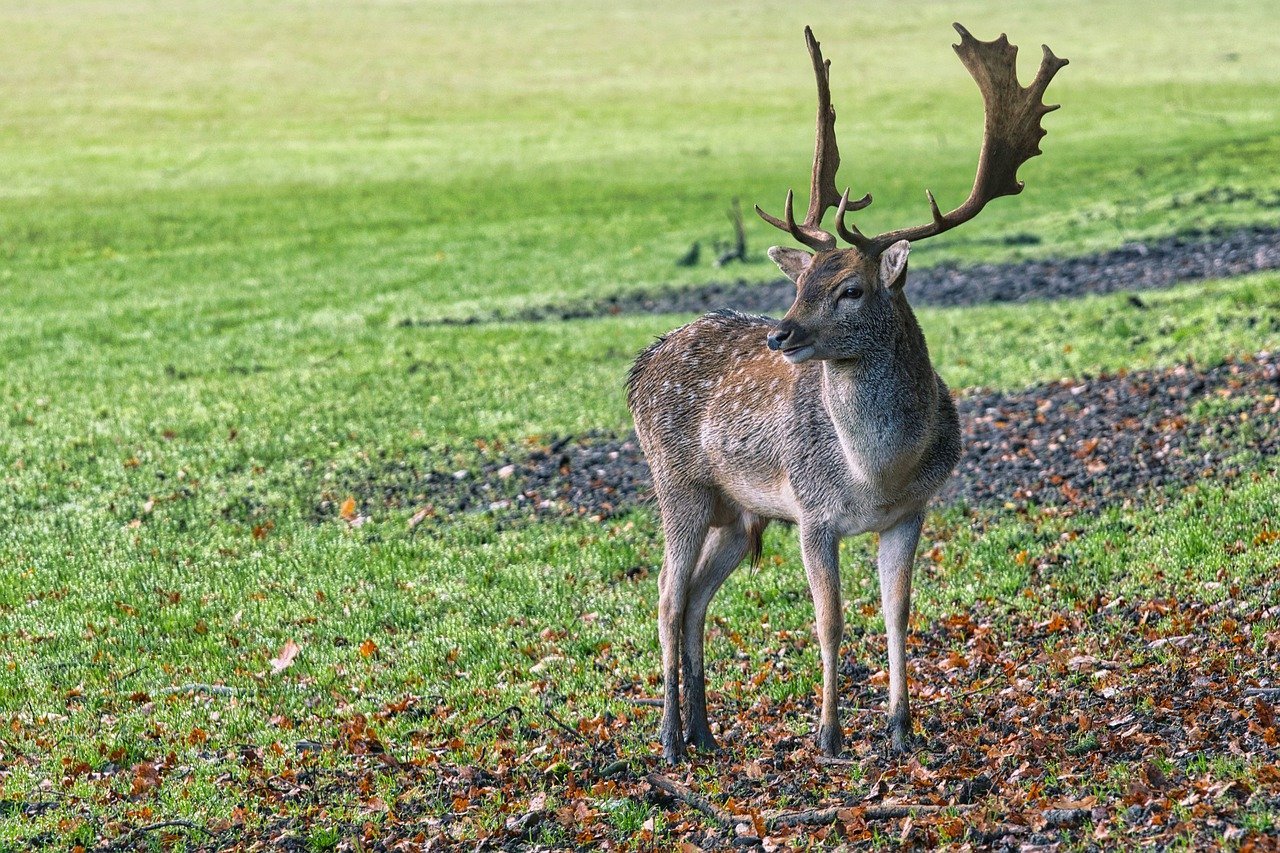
434	158
211	222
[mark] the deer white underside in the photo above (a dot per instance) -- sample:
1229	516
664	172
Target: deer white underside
864	497
858	506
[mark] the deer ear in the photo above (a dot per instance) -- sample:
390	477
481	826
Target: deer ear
893	265
792	262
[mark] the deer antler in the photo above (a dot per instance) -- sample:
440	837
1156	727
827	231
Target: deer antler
826	160
1011	136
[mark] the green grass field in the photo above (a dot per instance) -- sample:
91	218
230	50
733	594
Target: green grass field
213	221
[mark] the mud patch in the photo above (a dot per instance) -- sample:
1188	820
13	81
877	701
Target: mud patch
1087	443
1138	266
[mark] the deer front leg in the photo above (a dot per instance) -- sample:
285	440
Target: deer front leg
724	549
685	527
896	558
820	548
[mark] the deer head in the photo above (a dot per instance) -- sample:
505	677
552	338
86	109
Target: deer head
846	303
848	300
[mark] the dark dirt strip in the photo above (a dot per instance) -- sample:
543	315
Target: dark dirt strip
1146	266
1084	443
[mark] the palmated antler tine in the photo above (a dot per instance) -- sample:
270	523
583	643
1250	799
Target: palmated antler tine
826	153
1011	133
851	234
788	213
814	238
773	220
938	218
826	161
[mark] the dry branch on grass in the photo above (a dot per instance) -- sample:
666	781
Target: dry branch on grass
809	817
684	794
197	687
883	811
138	832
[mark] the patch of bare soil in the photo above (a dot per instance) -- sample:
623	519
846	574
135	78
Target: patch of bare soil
1095	441
1136	266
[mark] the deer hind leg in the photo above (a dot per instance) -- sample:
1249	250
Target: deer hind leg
685	519
723	551
896	558
820	549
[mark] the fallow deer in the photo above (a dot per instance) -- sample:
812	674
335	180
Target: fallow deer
832	418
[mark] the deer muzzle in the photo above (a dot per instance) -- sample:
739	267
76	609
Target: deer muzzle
794	342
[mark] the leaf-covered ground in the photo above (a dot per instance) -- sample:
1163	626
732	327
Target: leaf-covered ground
1126	694
229	238
1116	723
1083	675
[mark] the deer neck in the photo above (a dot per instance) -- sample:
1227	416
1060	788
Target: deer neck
882	406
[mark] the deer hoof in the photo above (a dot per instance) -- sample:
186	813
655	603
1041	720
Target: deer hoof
900	736
830	740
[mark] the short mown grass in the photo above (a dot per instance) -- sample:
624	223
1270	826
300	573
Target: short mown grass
442	159
214	223
476	618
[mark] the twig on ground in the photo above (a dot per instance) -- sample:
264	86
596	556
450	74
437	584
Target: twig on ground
643	700
941	700
1065	818
680	792
811	817
511	710
1263	692
1170	641
135	833
197	687
820	817
565	727
958	696
615	768
35	808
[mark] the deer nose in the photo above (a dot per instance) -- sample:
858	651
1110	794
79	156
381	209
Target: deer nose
778	337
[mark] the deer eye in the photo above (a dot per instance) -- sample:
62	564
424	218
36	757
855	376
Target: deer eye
851	291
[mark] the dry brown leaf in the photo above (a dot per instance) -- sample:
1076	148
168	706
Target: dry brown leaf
348	509
284	660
